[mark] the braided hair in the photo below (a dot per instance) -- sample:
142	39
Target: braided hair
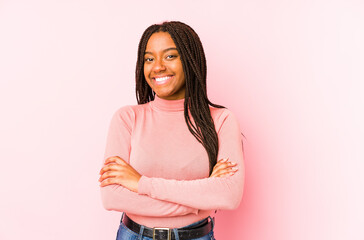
193	60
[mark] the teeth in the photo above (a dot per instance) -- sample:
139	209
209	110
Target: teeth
162	79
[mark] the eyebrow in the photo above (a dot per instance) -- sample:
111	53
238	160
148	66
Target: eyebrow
165	50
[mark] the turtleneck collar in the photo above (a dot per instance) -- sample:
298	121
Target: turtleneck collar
167	105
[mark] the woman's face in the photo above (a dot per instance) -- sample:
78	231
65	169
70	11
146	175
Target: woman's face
163	67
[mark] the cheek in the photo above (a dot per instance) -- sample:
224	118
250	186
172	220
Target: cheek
145	71
181	73
179	68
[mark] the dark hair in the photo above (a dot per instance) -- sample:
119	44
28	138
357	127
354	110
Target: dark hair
193	60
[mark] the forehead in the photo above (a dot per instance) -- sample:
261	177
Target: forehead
159	41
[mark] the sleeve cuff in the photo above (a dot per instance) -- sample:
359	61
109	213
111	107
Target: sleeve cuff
144	185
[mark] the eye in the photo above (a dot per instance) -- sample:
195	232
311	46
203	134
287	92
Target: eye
148	59
171	56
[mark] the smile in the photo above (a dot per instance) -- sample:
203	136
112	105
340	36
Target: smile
162	80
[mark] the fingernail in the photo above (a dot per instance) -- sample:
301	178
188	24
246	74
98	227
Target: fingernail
234	168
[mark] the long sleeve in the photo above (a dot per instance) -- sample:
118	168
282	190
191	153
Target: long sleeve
206	193
118	198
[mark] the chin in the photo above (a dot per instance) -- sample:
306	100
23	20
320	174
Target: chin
163	94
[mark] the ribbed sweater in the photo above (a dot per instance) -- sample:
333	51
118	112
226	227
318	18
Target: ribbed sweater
175	189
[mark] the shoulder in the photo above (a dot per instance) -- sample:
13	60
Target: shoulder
127	115
124	112
130	111
223	116
219	114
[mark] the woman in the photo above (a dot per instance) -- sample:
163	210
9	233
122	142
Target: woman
160	166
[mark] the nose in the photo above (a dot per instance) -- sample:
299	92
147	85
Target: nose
158	65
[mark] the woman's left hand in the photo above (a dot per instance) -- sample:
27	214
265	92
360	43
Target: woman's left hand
117	171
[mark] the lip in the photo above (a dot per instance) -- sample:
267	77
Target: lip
170	77
161	76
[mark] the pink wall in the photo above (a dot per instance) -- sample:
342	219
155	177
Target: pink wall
292	71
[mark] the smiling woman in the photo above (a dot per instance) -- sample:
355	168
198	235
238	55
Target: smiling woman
174	158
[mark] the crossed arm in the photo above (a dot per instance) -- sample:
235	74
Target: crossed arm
120	182
119	186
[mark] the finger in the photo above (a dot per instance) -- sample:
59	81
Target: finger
224	171
108	181
218	167
115	159
225	174
231	169
108	174
106	168
213	174
116	172
223	159
220	174
218	171
228	164
223	165
110	167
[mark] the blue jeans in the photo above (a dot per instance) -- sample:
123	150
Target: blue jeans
125	233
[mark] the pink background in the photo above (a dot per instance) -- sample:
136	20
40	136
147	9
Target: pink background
292	71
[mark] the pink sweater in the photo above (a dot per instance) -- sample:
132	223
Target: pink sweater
175	189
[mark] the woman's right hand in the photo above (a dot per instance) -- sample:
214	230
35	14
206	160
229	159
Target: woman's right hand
224	168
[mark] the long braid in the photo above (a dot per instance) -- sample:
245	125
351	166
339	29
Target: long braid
196	102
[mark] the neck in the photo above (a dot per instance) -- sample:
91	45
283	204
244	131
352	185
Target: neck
168	105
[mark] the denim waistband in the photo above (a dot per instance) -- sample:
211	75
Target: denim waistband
212	220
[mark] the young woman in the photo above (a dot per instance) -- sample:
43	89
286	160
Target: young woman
160	166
